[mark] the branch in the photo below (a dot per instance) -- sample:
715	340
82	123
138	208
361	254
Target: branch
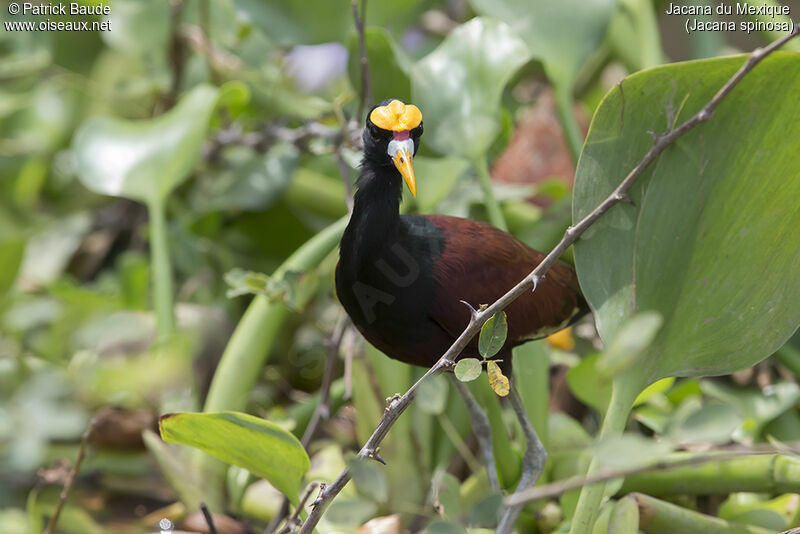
294	519
209	519
323	409
555	489
62	499
177	52
619	194
366	86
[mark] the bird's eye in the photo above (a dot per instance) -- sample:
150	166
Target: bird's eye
416	132
379	133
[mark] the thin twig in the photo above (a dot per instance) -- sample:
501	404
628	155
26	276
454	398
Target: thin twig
177	52
480	427
209	519
555	489
62	499
323	409
205	27
619	194
532	461
294	520
366	86
344	171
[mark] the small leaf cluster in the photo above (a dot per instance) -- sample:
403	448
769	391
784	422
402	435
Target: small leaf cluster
492	338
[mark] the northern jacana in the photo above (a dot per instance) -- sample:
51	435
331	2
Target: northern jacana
401	278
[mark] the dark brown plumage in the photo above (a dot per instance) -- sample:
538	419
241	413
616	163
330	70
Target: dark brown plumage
401	278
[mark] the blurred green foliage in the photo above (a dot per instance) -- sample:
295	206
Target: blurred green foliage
233	123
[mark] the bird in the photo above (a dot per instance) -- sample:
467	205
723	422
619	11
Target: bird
404	279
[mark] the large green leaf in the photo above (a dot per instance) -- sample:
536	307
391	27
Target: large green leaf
561	34
261	447
144	160
458	86
634	36
321	21
712	242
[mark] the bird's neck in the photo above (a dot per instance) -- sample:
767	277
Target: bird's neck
376	210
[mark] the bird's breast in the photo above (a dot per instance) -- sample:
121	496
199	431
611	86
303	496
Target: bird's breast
388	289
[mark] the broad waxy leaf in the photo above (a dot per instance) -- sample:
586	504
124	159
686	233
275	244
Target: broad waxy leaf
497	379
261	447
493	335
712	242
588	385
634	36
629	345
436	178
321	21
468	369
541	24
458	86
144	160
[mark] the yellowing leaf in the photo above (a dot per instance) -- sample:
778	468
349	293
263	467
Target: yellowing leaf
497	379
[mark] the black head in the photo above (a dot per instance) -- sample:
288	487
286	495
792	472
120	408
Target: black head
391	137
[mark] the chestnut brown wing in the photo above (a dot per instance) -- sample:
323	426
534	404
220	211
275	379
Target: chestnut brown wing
480	263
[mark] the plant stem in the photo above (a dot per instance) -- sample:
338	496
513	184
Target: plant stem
622	397
62	499
660	517
161	268
572	132
532	372
763	473
492	206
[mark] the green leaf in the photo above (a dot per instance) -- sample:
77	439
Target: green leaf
446	492
182	476
436	178
251	181
439	526
141	28
628	451
261	447
757	407
11	254
712	423
561	34
586	383
497	380
369	478
468	369
293	288
629	344
711	243
291	23
432	395
634	36
493	335
144	160
458	86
